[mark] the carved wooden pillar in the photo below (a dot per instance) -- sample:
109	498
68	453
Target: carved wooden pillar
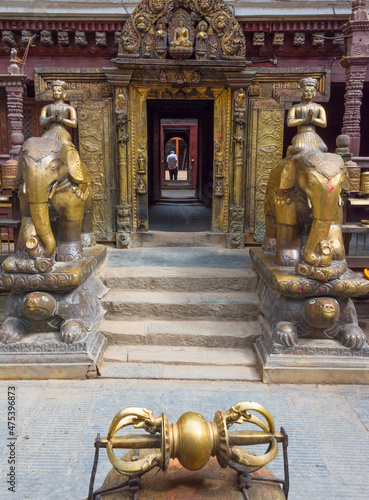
355	64
239	83
120	82
14	95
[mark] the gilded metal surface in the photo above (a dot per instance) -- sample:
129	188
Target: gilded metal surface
192	440
90	93
285	281
57	179
208	26
64	276
265	138
222	159
138	149
124	220
306	186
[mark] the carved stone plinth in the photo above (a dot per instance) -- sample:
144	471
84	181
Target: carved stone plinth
44	356
310	362
311	331
51	321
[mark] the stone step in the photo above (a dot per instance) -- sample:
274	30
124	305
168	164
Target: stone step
142	304
152	239
179	372
180	355
158	362
182	333
180	279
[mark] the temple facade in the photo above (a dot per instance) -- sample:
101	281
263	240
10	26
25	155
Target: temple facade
216	79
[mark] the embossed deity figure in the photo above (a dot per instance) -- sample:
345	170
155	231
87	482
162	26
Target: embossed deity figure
161	40
59	114
181	35
201	40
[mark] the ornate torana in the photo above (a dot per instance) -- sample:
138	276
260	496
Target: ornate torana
206	29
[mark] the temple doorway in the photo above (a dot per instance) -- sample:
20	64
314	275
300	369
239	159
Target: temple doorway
180	165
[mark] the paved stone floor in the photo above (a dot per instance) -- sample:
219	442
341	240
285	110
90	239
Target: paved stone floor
57	422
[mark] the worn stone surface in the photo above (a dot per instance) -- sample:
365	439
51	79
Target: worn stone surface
181	355
312	361
169	307
181	305
45	356
182	333
57	422
152	239
180	278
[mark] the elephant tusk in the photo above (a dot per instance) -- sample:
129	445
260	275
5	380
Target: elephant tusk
52	191
340	200
310	204
24	189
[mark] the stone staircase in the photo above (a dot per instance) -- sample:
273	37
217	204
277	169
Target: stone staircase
180	313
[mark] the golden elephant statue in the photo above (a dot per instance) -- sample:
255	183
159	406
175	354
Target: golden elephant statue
303	210
53	184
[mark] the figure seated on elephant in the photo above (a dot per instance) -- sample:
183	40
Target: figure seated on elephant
304	193
53	184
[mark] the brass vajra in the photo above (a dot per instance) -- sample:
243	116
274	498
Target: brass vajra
192	440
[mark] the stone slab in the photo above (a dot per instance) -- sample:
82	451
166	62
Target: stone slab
180	305
312	361
189	355
44	356
182	333
179	278
212	258
159	371
178	239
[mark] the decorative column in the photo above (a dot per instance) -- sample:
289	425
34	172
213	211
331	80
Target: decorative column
357	28
120	82
13	83
239	83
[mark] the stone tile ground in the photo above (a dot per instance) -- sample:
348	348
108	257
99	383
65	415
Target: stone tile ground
328	430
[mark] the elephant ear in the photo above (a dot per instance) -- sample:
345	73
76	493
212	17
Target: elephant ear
19	177
288	175
70	157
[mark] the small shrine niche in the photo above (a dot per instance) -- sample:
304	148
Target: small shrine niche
182	29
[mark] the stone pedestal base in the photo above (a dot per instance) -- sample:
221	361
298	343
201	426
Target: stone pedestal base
52	319
44	356
312	361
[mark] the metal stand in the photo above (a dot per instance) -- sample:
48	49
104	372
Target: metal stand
245	479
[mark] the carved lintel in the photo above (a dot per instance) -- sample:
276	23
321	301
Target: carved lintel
155	28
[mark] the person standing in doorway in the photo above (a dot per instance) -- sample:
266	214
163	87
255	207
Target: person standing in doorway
172	165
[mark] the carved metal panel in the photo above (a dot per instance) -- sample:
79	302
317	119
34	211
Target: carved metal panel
95	148
265	139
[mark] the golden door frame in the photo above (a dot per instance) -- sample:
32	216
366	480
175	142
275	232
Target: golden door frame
138	146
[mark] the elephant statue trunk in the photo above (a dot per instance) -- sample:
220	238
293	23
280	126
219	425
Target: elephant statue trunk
40	216
324	194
